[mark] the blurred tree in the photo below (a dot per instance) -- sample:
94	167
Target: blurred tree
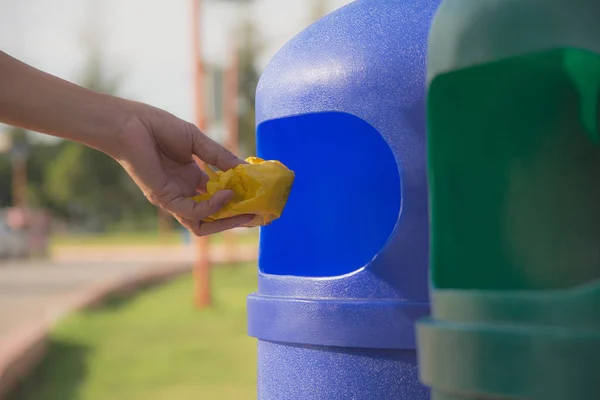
73	181
318	9
90	187
85	185
5	181
38	160
249	75
16	155
19	152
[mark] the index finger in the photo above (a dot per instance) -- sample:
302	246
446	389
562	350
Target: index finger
214	154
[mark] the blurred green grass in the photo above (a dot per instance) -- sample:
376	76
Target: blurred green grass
152	238
154	346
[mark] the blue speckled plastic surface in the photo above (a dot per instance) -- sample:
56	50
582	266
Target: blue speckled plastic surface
336	373
349	336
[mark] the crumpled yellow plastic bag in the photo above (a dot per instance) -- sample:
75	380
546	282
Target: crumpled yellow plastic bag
261	188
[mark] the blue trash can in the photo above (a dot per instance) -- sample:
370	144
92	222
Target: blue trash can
343	273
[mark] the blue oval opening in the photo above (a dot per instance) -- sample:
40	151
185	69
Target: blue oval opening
345	201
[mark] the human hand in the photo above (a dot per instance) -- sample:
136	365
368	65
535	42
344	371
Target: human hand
157	150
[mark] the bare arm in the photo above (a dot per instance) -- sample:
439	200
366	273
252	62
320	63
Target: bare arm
35	100
155	147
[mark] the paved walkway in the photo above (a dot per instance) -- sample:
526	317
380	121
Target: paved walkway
34	294
36	290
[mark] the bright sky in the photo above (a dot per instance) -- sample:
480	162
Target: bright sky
148	41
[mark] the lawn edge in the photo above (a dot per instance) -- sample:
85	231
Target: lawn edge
22	351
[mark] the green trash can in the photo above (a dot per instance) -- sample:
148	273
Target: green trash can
514	178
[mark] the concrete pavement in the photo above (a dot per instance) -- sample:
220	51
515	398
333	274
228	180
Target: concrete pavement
35	291
32	290
35	294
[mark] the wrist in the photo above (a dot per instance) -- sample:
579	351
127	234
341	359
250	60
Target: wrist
96	121
130	122
103	127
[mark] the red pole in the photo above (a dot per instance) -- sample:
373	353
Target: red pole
230	99
201	269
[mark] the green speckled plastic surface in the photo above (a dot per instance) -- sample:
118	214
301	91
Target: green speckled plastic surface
514	178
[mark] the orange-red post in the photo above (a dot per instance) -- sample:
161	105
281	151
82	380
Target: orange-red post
230	99
202	292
